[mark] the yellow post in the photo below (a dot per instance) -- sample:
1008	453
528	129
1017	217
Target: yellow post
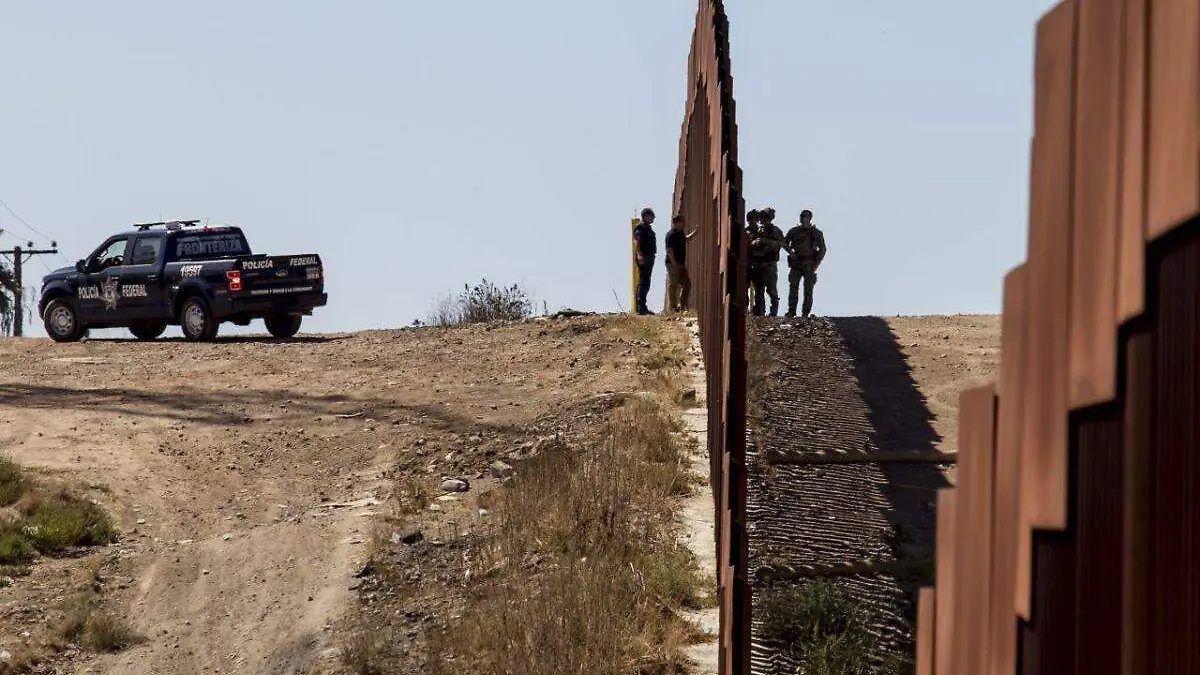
633	264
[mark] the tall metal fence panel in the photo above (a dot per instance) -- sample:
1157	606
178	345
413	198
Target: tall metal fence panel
708	193
1070	543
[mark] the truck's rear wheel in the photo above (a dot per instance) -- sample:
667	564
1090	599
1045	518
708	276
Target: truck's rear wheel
62	322
147	330
285	326
197	320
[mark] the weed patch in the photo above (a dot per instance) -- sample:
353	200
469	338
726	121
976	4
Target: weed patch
589	577
87	624
46	523
15	548
663	358
823	625
12	482
82	622
61	521
484	302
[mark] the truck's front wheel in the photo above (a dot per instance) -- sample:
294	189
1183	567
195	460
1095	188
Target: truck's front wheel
285	326
62	322
197	321
147	330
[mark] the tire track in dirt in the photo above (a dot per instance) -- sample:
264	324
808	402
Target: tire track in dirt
833	388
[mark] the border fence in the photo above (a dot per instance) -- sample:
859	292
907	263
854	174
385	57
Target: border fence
708	192
1070	543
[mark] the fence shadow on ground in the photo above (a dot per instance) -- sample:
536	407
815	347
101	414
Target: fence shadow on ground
902	423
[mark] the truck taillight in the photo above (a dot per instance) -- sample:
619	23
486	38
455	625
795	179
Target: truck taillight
234	280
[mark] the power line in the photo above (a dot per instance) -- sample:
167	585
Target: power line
22	221
19	256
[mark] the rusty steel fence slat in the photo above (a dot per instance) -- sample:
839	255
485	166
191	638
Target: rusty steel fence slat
1094	505
708	194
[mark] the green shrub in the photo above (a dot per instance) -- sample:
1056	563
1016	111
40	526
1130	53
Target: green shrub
62	521
15	548
12	482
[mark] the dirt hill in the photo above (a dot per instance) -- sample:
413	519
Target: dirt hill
247	476
253	481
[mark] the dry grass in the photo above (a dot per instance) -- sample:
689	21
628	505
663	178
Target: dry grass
484	302
82	622
53	522
411	496
13	482
590	574
87	624
367	650
47	522
825	628
580	569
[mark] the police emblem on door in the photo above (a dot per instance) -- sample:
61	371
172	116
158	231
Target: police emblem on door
110	293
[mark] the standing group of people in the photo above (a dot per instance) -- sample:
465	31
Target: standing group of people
805	246
804	243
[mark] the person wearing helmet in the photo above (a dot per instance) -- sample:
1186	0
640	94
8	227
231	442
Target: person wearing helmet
752	218
646	249
806	249
765	243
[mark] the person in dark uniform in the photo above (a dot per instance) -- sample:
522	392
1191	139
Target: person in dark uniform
765	243
679	282
647	249
752	219
806	249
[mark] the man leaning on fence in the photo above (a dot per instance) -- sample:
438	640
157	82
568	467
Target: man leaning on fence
646	248
679	282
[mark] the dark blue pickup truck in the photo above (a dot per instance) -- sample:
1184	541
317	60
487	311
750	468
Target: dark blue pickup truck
179	273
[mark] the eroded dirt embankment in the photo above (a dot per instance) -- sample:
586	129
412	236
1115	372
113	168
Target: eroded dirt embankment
249	477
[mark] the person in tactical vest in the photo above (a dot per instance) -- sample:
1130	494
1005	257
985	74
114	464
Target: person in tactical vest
752	218
765	243
806	249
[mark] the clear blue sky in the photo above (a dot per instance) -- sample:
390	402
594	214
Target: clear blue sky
418	146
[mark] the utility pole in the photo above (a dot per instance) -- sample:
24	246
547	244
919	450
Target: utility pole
19	256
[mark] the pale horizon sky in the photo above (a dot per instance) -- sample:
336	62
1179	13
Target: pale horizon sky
421	146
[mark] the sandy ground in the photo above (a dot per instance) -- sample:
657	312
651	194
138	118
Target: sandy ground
947	355
248	475
698	517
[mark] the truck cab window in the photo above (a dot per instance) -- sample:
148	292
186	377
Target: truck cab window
111	255
145	250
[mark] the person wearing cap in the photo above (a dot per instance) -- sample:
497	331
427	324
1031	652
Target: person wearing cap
679	282
765	243
646	249
806	249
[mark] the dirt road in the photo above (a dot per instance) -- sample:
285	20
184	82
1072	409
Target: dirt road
247	475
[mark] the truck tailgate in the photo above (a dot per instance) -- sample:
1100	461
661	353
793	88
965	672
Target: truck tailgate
278	275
